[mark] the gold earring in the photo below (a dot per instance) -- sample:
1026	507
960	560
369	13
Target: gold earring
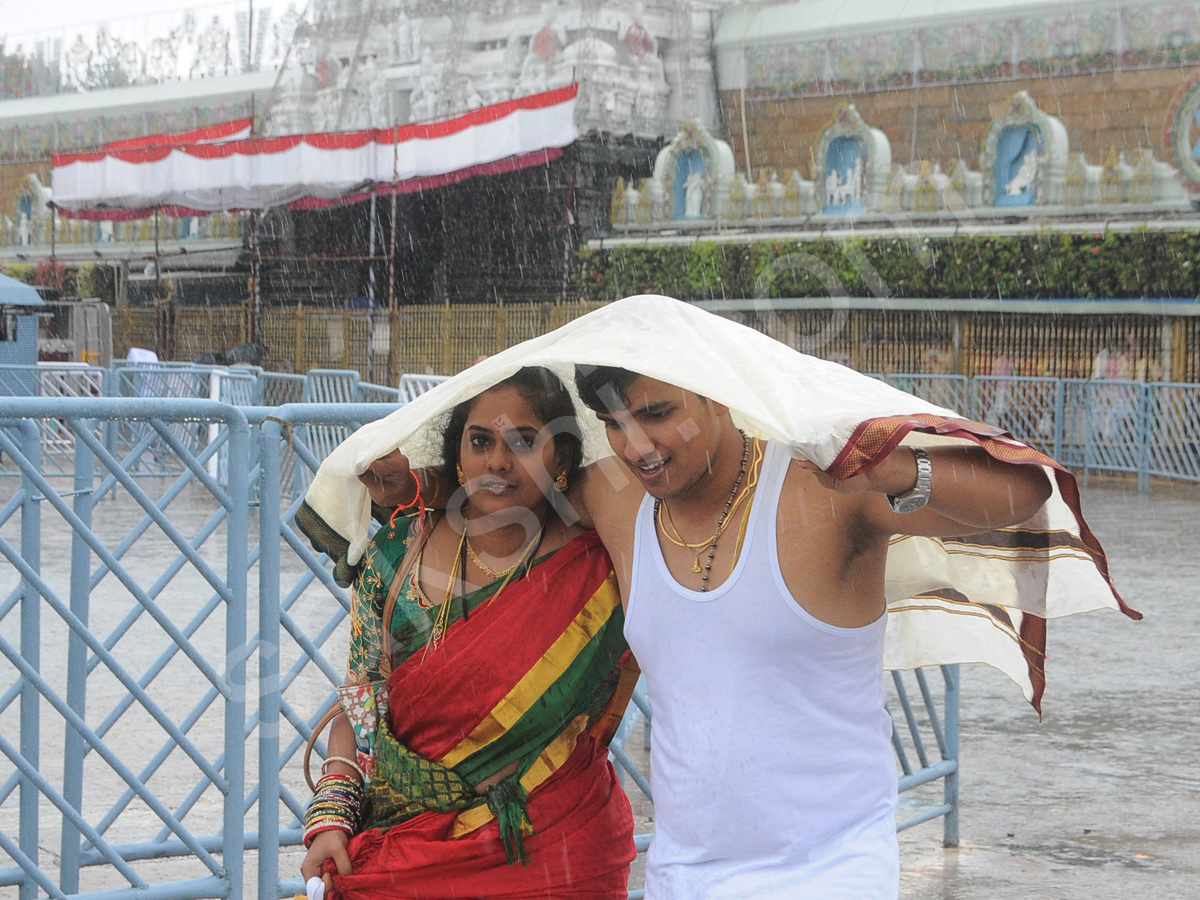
560	483
462	477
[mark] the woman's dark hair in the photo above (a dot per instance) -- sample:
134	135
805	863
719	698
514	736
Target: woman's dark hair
601	386
551	403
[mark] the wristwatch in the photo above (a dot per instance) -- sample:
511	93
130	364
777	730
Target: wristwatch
919	495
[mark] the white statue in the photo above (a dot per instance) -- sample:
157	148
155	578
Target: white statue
402	39
374	87
855	182
23	229
1025	175
833	188
652	88
423	102
693	195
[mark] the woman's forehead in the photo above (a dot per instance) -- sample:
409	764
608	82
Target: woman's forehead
502	409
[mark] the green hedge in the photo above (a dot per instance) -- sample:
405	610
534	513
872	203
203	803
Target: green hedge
1037	266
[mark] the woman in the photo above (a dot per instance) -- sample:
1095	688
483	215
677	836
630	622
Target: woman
507	670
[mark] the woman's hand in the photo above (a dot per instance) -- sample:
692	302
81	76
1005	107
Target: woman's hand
389	480
330	844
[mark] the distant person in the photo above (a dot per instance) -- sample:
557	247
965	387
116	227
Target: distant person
251	353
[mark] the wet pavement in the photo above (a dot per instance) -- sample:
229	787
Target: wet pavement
1099	800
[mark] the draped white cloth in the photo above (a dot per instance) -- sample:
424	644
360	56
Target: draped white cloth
210	175
983	598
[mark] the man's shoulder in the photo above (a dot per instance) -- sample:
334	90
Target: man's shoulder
609	494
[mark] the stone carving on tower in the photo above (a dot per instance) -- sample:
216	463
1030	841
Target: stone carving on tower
635	62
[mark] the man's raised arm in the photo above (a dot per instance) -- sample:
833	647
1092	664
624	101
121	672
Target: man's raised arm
952	491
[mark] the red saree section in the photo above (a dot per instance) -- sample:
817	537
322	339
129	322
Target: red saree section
492	668
437	699
582	849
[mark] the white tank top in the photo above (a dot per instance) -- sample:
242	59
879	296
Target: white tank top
771	759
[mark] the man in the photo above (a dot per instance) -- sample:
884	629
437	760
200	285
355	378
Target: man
754	592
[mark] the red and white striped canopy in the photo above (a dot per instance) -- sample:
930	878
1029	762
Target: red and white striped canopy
221	168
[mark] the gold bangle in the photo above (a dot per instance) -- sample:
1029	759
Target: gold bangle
342	759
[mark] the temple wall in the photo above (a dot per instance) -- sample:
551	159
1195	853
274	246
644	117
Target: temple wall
1127	110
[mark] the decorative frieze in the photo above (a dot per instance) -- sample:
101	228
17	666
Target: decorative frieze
965	48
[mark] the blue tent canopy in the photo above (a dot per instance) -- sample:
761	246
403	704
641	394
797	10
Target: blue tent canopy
18	293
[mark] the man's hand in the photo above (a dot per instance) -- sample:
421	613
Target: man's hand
330	844
895	474
389	480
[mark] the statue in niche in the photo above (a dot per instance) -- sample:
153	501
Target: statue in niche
24	230
1017	176
1025	177
464	96
844	174
375	88
693	195
212	51
78	62
514	54
284	30
841	191
651	88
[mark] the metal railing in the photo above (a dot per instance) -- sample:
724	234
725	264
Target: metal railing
159	752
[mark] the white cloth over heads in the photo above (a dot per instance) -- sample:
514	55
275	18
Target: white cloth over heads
984	598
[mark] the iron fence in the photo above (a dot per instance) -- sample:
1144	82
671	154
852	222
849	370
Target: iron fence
155	697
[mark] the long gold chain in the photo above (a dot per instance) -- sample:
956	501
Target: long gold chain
668	525
678	540
735	497
442	620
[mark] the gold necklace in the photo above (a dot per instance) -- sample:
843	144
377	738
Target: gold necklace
414	591
442	621
703	571
668	525
488	570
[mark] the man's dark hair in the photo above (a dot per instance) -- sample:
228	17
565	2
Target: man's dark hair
600	386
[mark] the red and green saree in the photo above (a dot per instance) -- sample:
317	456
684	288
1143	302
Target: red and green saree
536	676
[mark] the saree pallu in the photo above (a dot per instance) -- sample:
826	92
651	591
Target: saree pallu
528	676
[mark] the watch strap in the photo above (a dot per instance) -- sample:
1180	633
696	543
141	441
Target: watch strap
918	497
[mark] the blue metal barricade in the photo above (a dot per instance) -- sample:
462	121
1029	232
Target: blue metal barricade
131	669
1173	431
946	391
130	741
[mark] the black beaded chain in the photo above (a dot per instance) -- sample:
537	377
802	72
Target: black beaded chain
712	548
